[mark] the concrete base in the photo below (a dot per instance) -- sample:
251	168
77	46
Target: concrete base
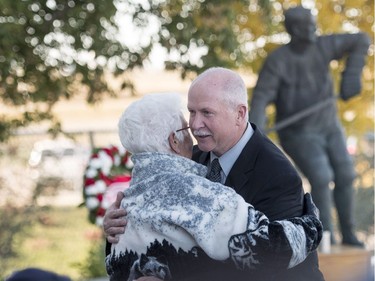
344	263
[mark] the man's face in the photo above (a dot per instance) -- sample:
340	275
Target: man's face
212	122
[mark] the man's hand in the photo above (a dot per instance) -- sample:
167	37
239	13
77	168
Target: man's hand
114	220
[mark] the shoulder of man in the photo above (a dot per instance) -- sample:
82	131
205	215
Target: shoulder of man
267	154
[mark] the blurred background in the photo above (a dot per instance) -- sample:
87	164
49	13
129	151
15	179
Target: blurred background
69	68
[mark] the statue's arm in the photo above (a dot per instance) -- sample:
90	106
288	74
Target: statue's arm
353	48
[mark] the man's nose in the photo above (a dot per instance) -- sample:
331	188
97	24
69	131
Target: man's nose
196	122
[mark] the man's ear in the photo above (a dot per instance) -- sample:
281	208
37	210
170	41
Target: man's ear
174	143
241	113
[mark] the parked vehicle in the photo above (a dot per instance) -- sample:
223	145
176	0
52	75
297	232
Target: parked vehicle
63	159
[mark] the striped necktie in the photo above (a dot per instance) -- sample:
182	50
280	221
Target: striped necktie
214	173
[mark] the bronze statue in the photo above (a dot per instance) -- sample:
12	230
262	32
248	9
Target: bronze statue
295	77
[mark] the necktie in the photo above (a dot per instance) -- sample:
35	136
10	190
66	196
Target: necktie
214	173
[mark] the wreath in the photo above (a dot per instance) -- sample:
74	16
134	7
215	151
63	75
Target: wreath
108	171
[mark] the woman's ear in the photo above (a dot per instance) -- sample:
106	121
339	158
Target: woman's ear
174	143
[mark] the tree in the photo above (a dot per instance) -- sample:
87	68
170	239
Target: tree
55	49
241	34
62	48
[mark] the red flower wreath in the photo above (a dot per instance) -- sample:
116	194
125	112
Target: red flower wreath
108	171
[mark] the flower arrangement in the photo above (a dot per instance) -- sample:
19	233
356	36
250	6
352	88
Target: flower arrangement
108	171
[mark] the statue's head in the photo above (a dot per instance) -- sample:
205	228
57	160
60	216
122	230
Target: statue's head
300	24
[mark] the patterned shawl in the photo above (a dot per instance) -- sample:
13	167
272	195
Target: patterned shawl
182	219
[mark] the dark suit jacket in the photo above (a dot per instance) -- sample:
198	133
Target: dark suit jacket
265	178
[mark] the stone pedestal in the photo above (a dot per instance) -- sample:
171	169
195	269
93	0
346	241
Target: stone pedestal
344	263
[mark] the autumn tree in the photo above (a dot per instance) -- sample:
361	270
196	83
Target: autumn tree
240	35
52	50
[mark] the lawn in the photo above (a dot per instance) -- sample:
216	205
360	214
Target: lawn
58	239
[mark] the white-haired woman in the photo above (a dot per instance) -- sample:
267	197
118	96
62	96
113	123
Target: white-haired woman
180	223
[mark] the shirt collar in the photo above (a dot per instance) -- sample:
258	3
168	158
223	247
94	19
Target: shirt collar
228	158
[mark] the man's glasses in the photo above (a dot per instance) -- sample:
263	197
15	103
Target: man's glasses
183	129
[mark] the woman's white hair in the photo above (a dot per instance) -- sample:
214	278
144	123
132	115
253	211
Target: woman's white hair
147	123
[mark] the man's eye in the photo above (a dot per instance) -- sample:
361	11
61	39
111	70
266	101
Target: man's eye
207	113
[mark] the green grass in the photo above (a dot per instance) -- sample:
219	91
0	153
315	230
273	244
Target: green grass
59	239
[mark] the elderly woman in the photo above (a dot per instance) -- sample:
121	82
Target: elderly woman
180	223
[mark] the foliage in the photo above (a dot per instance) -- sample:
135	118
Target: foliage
200	34
15	222
348	16
240	34
93	266
64	48
57	239
56	49
335	17
47	186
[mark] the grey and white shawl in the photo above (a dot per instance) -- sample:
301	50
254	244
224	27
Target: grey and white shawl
169	202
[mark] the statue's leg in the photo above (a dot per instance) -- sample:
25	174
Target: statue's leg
308	152
344	175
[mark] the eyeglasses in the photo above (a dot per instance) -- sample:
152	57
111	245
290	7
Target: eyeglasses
183	129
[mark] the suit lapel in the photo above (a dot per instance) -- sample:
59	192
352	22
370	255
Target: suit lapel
242	170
